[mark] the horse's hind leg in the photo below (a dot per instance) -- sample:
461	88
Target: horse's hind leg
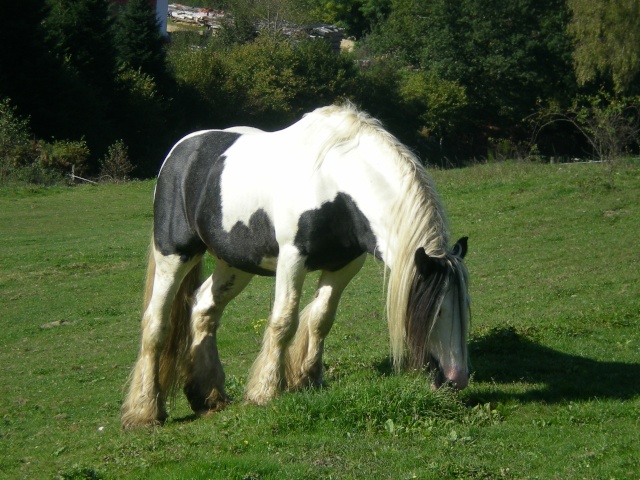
144	404
304	357
204	385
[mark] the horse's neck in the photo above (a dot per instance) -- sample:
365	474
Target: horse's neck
369	168
376	185
402	206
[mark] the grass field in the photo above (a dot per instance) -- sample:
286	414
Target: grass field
554	259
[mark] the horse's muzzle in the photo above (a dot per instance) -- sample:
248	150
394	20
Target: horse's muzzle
455	377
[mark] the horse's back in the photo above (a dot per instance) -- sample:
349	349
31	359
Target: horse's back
243	193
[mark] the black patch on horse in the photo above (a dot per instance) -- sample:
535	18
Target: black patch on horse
188	208
334	234
245	246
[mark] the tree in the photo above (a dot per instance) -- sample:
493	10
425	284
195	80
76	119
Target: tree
273	15
29	74
502	55
607	42
138	40
80	31
21	41
357	16
81	38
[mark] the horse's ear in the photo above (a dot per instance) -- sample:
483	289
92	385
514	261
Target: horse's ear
422	260
460	248
426	264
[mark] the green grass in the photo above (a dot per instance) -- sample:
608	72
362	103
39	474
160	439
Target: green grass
555	342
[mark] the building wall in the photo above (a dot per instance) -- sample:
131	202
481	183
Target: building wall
162	10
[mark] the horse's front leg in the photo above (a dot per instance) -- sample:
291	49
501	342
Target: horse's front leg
304	356
267	374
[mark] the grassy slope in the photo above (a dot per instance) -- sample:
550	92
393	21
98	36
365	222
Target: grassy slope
554	261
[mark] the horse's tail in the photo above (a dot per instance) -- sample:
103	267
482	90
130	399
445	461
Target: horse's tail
173	356
151	273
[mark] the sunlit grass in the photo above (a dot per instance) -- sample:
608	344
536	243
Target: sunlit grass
555	346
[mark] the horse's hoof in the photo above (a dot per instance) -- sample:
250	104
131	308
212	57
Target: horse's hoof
204	404
132	423
259	399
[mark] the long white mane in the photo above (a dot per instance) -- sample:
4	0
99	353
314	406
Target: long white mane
419	218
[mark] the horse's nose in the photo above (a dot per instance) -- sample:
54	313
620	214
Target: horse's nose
456	377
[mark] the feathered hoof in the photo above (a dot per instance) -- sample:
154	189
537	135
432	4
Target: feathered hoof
142	419
298	383
260	397
204	404
304	379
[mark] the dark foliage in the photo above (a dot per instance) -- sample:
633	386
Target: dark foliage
138	41
453	80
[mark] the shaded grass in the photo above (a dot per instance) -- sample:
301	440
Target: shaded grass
555	346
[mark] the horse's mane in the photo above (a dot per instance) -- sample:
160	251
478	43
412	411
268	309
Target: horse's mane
336	127
420	220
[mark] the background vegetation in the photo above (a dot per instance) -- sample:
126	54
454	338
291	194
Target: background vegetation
473	79
555	345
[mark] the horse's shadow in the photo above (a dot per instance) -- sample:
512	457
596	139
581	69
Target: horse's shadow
504	357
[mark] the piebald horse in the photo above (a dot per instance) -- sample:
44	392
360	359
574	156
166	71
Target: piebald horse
318	195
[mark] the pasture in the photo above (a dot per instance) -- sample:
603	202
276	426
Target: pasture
554	261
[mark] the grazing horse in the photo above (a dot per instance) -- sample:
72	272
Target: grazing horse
318	195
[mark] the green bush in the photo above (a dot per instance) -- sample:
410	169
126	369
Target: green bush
262	77
610	125
326	77
116	165
64	156
16	149
27	161
201	73
436	103
268	82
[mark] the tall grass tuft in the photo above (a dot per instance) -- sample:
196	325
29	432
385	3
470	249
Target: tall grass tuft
398	404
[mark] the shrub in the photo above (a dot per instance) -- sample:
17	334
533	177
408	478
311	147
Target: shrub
26	161
64	156
262	77
437	103
610	125
116	165
16	148
268	82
